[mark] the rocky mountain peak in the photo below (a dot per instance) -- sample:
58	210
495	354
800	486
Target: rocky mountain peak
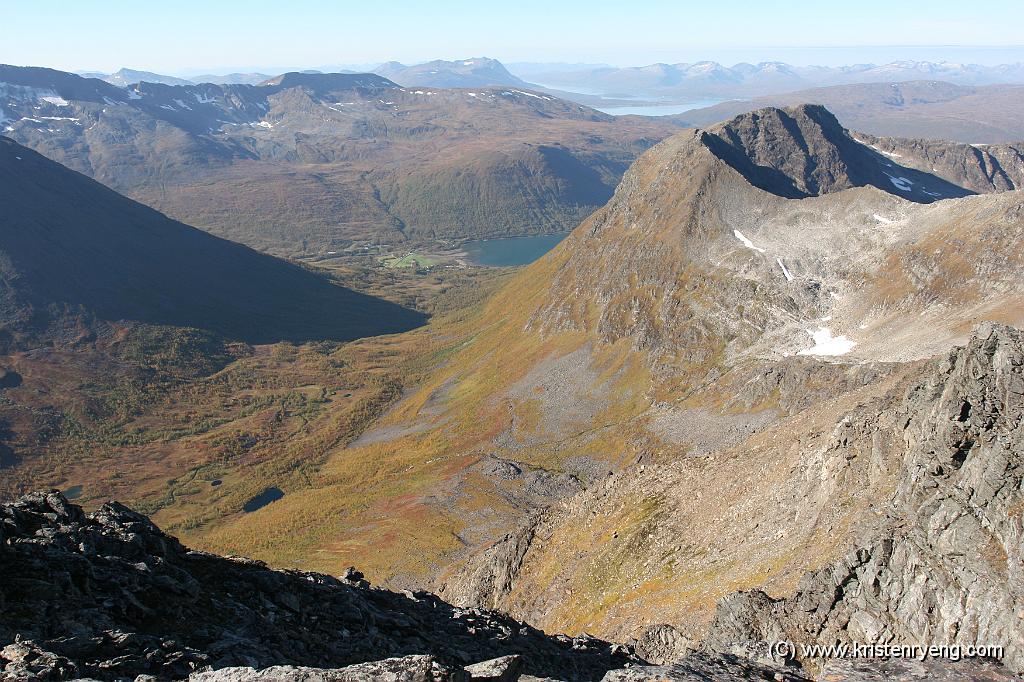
804	151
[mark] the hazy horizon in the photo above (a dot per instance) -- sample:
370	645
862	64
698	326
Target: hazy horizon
193	38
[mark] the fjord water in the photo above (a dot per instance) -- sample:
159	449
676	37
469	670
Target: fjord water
658	109
511	251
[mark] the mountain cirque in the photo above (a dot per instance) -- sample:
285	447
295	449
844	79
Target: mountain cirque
310	163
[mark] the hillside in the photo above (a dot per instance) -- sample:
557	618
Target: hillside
307	164
76	253
935	110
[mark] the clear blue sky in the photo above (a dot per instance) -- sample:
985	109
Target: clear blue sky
187	36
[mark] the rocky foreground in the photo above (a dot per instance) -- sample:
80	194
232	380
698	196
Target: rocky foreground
109	596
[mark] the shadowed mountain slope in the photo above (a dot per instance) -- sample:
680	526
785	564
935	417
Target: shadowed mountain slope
73	249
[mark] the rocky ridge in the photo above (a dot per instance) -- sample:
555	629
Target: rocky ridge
108	595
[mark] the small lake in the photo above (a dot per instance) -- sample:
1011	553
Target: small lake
658	109
510	251
263	499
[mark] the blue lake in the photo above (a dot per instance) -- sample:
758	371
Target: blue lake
510	251
263	499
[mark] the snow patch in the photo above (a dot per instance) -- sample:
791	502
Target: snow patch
527	94
746	242
203	99
182	104
901	183
882	219
826	344
133	94
785	270
56	100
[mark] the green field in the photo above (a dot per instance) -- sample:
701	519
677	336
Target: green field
409	260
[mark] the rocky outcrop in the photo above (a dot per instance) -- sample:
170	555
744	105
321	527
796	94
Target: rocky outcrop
948	568
108	595
804	151
405	669
700	667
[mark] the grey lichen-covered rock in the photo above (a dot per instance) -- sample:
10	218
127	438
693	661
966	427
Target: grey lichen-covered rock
502	669
404	669
912	671
26	660
703	667
948	566
663	644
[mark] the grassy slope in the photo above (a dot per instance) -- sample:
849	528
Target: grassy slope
120	426
398	509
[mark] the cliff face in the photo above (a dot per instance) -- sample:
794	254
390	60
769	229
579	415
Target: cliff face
948	565
889	516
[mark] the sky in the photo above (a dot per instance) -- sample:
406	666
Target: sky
188	37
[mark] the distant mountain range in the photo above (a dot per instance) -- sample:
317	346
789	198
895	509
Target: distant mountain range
467	73
711	79
232	78
705	79
307	163
987	114
125	77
